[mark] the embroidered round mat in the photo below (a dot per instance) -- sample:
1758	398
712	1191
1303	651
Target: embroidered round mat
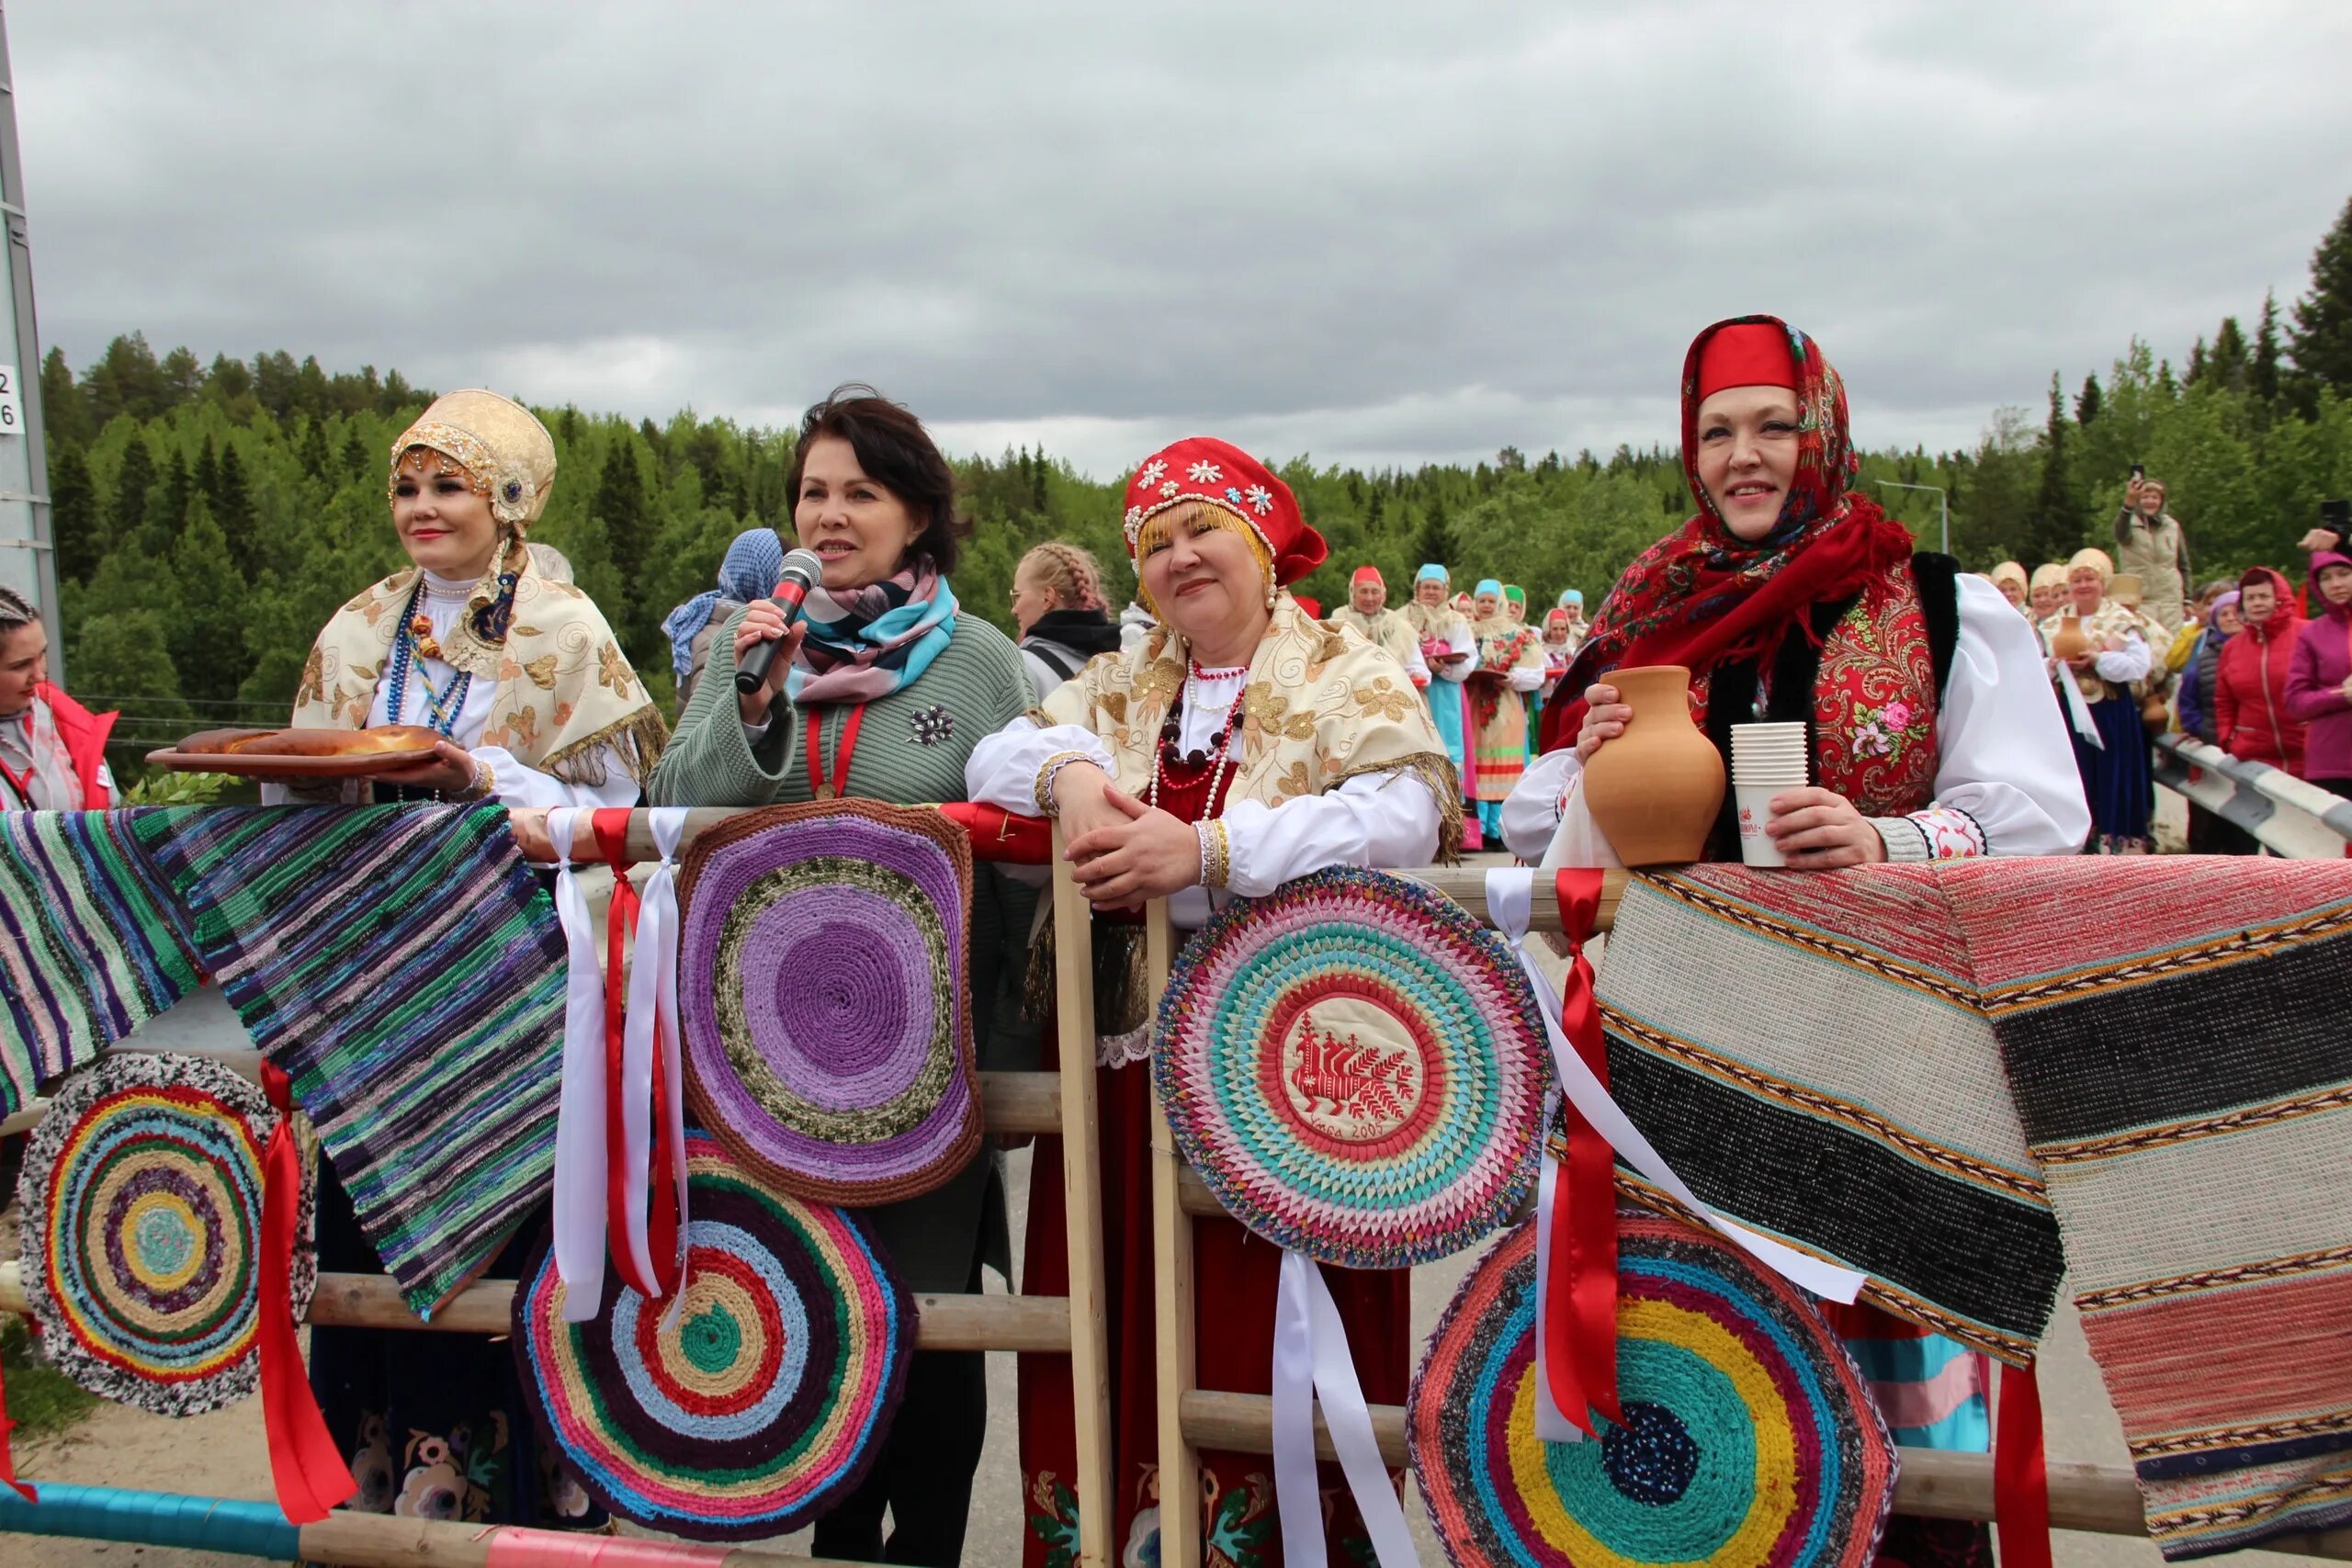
1750	1438
142	1199
824	1001
1356	1067
756	1401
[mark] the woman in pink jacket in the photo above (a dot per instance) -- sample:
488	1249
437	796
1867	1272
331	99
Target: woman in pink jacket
2319	676
2250	692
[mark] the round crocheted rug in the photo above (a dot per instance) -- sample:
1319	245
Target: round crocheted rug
1356	1067
142	1199
752	1404
823	998
1750	1440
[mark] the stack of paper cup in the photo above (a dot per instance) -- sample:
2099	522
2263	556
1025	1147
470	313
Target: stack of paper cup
1766	760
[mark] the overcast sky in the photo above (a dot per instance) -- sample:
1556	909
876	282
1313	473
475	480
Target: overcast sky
1373	230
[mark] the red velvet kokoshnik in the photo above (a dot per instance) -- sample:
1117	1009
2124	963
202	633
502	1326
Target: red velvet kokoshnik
1701	596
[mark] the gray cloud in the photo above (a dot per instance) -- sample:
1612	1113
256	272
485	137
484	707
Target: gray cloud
1377	232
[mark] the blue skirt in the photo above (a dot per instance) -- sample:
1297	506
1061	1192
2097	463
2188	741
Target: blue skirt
2118	779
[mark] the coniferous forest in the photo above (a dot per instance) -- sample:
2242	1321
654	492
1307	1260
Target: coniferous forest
209	518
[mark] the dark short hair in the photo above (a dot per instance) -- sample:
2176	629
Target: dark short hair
898	453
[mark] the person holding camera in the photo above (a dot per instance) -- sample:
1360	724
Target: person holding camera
2335	530
2150	545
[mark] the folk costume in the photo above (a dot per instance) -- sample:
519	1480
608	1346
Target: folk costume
1510	669
54	756
521	671
1929	707
892	688
1314	754
1386	628
2111	746
524	674
1449	650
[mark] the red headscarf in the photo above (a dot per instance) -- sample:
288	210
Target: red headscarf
1702	596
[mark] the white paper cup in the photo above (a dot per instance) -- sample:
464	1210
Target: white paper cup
1753	802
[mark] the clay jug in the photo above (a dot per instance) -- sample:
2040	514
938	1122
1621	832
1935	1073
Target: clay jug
1654	791
2070	639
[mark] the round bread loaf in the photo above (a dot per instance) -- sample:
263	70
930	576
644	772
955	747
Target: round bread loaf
338	742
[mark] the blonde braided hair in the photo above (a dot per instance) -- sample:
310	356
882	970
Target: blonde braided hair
1068	572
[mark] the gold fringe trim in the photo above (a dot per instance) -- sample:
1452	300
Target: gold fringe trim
638	737
1121	1006
1435	770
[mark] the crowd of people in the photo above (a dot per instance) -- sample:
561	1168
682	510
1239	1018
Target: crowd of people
1215	736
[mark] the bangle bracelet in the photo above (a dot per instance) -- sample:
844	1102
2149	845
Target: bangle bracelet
1043	792
485	780
1216	855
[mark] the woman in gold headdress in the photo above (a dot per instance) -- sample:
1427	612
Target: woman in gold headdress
519	674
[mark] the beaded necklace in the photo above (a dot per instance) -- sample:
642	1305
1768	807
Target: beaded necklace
1170	731
1202	672
443	709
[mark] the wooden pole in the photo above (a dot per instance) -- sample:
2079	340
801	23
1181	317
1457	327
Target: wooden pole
1180	1545
1090	1338
1022	1324
2096	1498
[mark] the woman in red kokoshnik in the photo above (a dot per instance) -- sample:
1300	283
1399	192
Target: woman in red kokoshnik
1935	733
1241	745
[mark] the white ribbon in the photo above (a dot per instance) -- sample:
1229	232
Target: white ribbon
1510	901
1312	1362
653	1000
579	1218
1551	1426
2077	712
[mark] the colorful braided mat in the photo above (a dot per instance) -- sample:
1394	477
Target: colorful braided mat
757	1401
1749	1441
1356	1067
142	1200
824	997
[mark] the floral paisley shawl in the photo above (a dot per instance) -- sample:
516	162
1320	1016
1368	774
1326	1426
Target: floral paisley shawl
1320	706
564	691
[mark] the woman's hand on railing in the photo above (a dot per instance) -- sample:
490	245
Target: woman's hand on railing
529	826
1144	854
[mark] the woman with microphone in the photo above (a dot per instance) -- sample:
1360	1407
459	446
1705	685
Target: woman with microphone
880	690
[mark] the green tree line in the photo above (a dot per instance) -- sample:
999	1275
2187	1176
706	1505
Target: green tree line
209	518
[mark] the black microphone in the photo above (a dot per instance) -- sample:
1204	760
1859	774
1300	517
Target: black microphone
802	571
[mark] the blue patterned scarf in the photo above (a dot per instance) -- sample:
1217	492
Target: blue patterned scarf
870	641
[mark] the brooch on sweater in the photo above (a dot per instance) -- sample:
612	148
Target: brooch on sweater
933	725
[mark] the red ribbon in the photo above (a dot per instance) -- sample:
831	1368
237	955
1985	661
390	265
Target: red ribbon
2020	1473
303	1459
611	828
1580	1335
1000	835
7	1462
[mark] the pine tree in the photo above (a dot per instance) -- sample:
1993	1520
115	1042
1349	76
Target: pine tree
2196	369
2262	376
136	476
2053	527
620	507
232	509
73	518
355	458
2087	401
64	412
2320	340
206	472
312	451
1437	534
2227	363
204	617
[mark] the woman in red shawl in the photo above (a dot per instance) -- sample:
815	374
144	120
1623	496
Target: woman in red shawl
1792	598
1936	733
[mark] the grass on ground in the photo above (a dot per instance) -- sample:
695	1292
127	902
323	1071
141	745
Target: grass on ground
41	1400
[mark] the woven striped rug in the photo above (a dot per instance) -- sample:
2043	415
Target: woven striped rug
405	969
2176	1034
87	952
1808	1054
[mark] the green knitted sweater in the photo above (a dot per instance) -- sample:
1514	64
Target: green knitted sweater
912	747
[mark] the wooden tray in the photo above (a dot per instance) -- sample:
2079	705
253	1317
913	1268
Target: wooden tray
196	754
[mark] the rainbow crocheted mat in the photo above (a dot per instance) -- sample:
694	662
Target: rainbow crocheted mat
1356	1067
1749	1441
824	997
142	1200
755	1402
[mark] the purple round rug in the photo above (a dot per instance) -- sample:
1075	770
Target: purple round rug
823	999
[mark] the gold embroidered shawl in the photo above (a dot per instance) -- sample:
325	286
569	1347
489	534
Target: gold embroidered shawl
1320	706
1383	628
2110	619
564	689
